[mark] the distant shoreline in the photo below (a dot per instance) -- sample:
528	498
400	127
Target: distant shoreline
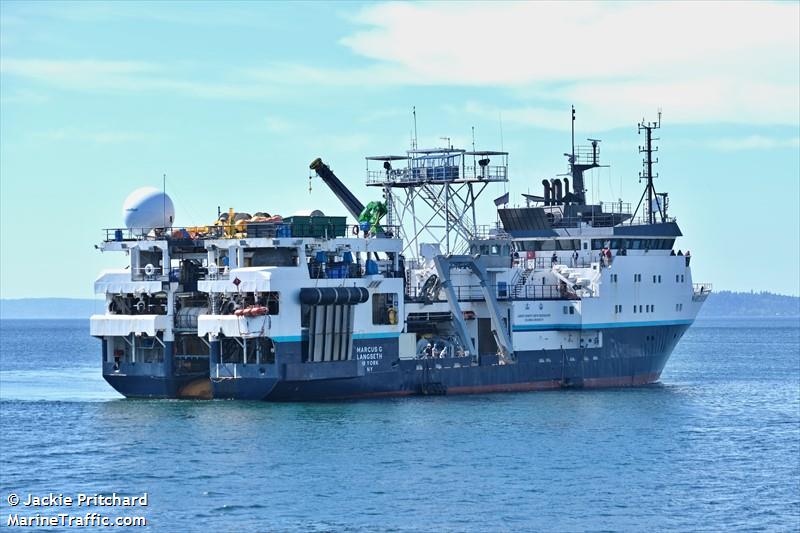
720	305
698	319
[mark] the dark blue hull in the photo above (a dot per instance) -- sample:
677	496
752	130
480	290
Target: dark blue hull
629	357
149	380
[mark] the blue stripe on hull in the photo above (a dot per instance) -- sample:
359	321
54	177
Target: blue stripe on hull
604	325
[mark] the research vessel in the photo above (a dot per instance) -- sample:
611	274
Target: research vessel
411	297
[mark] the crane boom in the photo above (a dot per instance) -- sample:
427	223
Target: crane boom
338	188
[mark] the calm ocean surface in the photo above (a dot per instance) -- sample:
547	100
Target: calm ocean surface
715	446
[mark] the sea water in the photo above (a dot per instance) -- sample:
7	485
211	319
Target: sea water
714	446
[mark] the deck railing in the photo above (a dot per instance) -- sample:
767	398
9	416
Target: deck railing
249	230
700	291
469	293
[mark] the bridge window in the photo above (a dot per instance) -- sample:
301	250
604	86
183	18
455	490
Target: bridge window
550	245
636	244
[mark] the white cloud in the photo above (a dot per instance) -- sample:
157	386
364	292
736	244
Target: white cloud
96	137
277	124
93	75
754	142
704	61
23	97
699	61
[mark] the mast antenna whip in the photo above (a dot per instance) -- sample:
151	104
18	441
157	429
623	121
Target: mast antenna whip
164	197
414	114
572	160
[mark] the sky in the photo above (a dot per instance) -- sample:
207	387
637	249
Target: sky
233	100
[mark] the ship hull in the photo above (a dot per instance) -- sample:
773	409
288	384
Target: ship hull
629	357
149	380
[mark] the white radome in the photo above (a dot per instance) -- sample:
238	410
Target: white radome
148	208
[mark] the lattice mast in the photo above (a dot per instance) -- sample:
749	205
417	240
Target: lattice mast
431	198
653	205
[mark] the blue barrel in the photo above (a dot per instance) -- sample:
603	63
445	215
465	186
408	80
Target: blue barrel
117	234
283	230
